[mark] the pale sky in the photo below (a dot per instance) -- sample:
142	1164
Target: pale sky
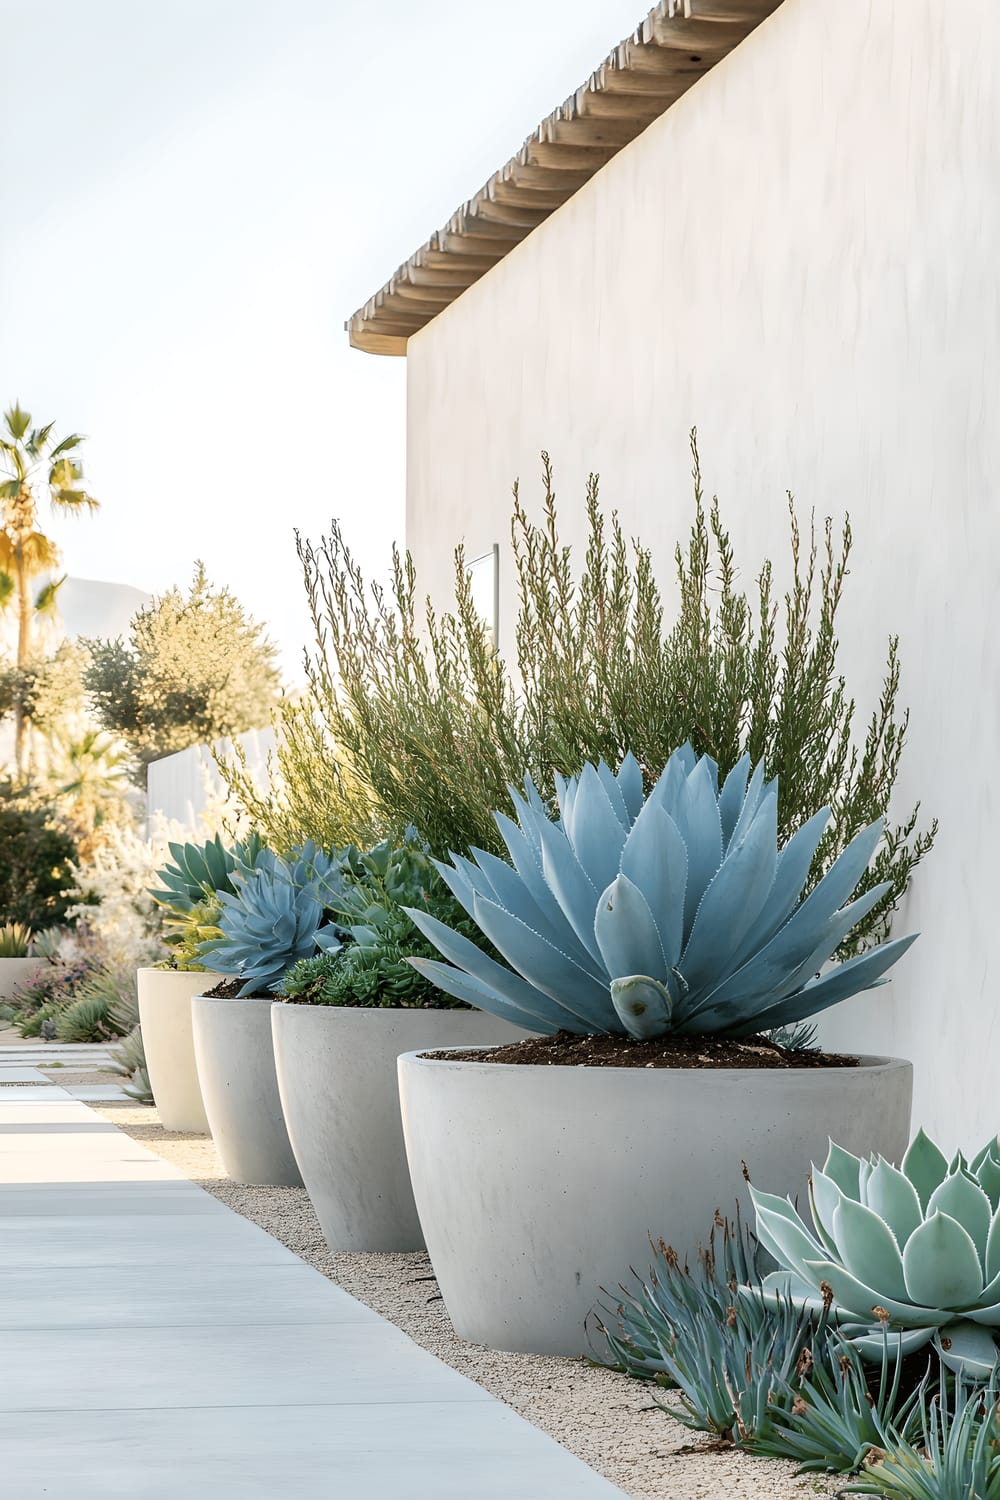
198	193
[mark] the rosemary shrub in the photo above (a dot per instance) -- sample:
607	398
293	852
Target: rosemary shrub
430	726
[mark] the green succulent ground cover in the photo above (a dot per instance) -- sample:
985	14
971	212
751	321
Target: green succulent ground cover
781	1378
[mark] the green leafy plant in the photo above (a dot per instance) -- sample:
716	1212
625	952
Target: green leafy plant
414	718
373	968
15	940
196	667
191	886
129	1061
102	1006
646	915
916	1248
37	854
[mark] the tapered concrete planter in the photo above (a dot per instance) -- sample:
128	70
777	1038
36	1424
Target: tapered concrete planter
336	1069
16	971
538	1186
235	1057
168	1042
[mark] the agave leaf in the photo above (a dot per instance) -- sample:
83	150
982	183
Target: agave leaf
867	1248
850	978
925	1165
503	884
992	1266
465	987
570	886
782	1232
627	934
654	857
845	1170
733	899
643	1005
491	976
824	1197
861	1300
967	1349
733	796
871	1346
941	1264
751	802
894	1198
630	782
697	818
595	833
987	1171
964	1200
615	794
794	863
537	961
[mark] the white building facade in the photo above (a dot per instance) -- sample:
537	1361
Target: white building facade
801	256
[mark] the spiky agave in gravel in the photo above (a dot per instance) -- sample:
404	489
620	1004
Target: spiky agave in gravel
675	911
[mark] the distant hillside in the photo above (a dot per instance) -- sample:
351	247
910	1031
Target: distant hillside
91	607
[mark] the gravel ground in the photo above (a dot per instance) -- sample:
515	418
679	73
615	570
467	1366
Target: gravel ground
609	1421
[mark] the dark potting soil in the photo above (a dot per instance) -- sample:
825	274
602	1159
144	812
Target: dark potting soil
566	1050
228	989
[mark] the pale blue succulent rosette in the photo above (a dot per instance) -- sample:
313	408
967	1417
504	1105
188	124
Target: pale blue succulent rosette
275	916
914	1249
672	912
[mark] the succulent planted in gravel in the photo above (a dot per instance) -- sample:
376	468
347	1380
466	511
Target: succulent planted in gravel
915	1249
675	911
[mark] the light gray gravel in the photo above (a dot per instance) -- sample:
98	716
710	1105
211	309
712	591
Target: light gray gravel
609	1421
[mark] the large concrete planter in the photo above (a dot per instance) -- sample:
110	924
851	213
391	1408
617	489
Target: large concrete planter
15	971
235	1057
336	1069
168	1042
538	1186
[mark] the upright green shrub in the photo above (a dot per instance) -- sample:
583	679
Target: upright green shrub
413	718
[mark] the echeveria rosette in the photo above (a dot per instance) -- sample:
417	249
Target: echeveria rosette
675	911
914	1249
275	916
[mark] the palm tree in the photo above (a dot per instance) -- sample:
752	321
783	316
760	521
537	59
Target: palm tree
31	458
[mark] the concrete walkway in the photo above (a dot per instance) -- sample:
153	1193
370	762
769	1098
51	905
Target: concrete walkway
156	1344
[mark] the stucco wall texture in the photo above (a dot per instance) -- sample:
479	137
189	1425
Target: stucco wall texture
802	257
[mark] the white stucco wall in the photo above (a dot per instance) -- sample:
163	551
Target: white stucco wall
181	786
802	257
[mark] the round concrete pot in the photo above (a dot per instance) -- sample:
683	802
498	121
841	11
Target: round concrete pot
168	1042
336	1069
15	971
539	1186
235	1057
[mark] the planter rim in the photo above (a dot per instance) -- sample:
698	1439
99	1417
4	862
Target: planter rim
237	999
155	969
387	1010
867	1063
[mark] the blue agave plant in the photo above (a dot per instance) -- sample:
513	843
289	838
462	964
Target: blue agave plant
276	915
672	912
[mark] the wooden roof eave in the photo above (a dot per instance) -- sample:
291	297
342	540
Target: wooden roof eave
675	45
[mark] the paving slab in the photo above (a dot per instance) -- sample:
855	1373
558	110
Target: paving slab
155	1343
477	1450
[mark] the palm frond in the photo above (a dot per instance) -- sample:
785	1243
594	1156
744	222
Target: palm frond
47	598
35	445
17	421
